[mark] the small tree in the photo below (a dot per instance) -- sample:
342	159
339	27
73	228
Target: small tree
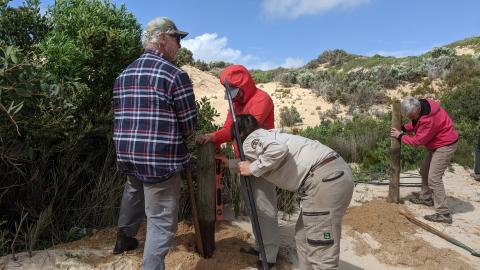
22	26
91	40
184	57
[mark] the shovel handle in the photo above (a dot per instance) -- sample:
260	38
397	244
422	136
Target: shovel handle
196	224
429	228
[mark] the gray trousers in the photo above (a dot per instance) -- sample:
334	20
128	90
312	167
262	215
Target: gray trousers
159	202
325	196
265	196
433	168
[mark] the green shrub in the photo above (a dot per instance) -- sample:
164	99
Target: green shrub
306	78
333	57
287	79
201	65
363	140
260	76
463	71
289	116
184	57
92	41
463	104
440	62
365	94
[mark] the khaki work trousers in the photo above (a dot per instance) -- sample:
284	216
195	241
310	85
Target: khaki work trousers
433	168
325	196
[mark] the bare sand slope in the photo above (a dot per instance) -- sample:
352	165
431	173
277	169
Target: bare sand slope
307	103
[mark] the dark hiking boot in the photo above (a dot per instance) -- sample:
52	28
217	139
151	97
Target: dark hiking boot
445	218
421	201
124	243
250	251
475	176
260	265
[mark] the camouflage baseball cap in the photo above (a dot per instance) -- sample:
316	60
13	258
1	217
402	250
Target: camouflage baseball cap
165	25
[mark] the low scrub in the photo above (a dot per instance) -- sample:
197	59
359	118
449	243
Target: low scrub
289	116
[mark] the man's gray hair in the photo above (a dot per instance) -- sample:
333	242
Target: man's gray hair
151	33
410	105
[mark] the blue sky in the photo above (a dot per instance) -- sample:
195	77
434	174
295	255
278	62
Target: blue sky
266	34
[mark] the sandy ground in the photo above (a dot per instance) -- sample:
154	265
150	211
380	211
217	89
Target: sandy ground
374	237
464	50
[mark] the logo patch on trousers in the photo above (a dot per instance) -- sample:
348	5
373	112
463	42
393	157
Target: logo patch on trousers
327	235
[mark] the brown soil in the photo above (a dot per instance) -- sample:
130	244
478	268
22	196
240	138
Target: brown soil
182	255
396	235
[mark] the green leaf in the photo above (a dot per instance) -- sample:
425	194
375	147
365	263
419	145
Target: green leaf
14	58
23	92
8	51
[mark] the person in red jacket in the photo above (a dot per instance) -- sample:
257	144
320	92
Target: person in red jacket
249	99
430	127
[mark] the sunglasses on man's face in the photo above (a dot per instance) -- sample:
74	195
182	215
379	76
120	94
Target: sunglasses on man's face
177	37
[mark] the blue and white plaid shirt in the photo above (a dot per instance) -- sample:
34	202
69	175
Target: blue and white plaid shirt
155	112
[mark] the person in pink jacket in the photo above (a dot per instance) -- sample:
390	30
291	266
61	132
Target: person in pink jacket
430	127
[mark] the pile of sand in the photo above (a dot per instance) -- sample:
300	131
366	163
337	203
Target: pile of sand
94	252
380	230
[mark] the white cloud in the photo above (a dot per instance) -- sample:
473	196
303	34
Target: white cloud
210	47
296	8
291	62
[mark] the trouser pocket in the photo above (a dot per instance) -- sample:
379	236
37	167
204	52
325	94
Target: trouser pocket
318	227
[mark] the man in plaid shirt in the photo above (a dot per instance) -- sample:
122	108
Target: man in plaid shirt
154	114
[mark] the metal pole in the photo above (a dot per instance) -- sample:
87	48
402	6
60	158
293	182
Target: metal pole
246	180
477	156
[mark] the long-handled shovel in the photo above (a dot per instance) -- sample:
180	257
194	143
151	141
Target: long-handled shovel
429	228
196	224
246	179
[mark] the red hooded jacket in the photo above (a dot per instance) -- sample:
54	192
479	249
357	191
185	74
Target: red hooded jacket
433	128
255	102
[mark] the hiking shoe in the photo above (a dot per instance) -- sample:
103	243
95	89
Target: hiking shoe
421	201
475	176
124	243
250	251
260	265
445	218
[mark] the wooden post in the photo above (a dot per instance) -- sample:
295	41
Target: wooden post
206	196
394	188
